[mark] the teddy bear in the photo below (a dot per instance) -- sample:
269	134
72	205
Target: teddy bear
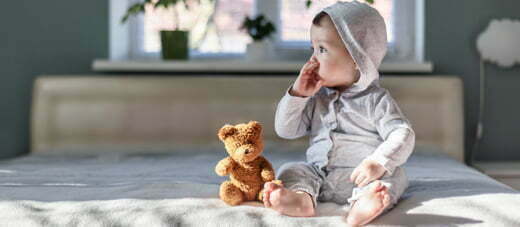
248	169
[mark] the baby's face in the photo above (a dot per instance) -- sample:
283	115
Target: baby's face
336	67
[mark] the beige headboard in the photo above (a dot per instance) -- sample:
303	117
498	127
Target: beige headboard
72	113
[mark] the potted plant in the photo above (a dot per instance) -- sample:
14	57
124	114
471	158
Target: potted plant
174	43
259	29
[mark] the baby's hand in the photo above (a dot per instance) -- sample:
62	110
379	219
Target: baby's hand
366	172
308	82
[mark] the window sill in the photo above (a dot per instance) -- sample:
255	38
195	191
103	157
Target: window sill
208	66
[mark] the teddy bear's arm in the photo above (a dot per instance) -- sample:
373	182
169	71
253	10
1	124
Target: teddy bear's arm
224	166
267	171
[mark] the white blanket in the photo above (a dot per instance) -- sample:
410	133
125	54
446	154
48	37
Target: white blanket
181	189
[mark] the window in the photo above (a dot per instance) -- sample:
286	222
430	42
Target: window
216	34
298	30
209	33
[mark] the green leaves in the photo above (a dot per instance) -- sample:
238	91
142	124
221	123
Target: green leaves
258	28
165	3
140	7
134	9
308	3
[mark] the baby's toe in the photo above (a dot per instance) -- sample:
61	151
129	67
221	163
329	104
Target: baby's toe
265	199
276	196
270	186
385	198
376	186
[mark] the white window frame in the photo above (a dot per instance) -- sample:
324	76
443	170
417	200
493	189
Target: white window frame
408	46
408	38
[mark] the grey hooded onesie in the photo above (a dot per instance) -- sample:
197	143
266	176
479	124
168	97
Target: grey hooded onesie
362	122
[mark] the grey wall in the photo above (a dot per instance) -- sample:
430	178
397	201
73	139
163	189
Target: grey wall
452	28
43	37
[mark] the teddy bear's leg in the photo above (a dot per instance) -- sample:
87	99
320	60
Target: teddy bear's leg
231	194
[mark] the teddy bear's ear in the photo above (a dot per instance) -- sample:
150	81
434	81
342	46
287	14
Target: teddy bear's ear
225	131
255	125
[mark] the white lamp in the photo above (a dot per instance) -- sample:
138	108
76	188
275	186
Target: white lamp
499	43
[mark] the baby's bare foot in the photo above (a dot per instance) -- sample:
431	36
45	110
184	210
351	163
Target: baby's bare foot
369	205
287	202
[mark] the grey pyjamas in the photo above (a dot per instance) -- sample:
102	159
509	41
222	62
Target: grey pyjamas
345	128
333	184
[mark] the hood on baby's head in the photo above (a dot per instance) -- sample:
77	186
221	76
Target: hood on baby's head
363	32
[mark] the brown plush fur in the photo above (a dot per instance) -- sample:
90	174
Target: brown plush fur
248	170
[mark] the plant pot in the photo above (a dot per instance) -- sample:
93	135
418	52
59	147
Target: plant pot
259	51
174	45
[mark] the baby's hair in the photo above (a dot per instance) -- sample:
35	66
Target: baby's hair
317	19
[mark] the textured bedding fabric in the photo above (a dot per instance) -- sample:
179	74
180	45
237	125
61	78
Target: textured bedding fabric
181	189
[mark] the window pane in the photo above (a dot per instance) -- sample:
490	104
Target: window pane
221	35
298	29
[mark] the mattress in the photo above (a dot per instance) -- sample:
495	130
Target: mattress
181	188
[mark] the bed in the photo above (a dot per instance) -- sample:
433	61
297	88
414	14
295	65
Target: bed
131	151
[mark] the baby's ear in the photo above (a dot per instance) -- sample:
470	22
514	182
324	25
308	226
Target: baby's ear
226	131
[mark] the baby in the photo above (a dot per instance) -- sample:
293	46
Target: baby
358	135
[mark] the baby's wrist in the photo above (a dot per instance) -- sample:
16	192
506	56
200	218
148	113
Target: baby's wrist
374	162
293	92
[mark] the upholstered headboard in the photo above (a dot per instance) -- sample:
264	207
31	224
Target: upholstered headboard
78	113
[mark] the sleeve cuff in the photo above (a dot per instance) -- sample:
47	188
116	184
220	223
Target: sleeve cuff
383	161
289	89
294	99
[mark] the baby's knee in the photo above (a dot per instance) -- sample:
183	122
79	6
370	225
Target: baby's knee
293	169
291	165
